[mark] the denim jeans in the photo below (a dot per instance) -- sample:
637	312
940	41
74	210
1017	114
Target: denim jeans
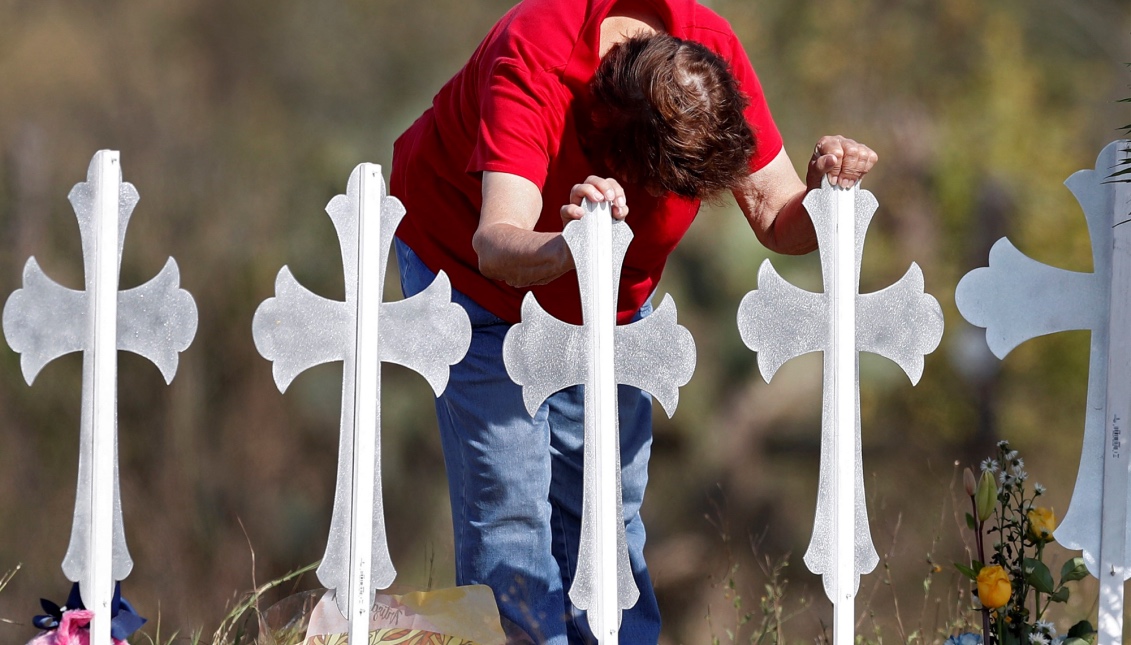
516	483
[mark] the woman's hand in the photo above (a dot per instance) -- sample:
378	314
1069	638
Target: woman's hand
844	161
595	189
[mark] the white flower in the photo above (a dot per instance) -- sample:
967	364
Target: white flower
1003	444
989	465
1011	455
1021	475
1038	639
1039	489
1003	477
1046	626
1018	464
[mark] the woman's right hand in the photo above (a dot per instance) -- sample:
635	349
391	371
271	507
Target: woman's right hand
595	189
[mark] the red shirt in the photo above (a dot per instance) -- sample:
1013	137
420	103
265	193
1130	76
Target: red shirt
513	108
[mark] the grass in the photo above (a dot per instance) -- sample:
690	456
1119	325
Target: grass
233	628
942	610
767	625
4	580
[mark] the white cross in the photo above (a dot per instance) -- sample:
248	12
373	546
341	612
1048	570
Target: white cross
544	355
1017	298
781	321
298	329
45	320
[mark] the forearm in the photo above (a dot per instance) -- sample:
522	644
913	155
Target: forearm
772	198
789	230
520	257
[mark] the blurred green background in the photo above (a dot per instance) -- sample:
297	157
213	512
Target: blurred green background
238	120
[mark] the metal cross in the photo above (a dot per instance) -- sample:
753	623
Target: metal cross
543	355
298	329
45	320
1017	298
781	321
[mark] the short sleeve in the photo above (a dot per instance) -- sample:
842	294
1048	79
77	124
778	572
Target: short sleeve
522	115
768	140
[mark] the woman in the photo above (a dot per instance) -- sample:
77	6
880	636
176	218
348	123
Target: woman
651	105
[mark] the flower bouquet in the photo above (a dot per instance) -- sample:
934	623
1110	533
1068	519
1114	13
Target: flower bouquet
1014	585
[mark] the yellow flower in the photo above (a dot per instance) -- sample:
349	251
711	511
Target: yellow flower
1042	522
993	587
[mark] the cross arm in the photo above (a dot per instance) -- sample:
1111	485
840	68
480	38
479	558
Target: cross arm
656	355
427	332
1017	298
298	329
906	337
158	320
543	354
780	321
44	320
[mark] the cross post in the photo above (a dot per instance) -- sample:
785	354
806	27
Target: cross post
1017	298
780	321
44	320
297	329
846	439
543	355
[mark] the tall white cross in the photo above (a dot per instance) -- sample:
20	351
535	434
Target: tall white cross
45	320
298	329
781	321
1017	298
544	355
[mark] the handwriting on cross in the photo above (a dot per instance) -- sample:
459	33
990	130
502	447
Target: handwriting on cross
44	320
1017	298
543	355
781	321
298	329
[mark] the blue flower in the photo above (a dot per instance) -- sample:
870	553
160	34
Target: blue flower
969	638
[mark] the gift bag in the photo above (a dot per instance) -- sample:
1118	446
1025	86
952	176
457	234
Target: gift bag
453	616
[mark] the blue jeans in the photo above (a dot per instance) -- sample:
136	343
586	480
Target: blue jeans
516	483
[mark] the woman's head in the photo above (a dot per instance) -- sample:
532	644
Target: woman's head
669	117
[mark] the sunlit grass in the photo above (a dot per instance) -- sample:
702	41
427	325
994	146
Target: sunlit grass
760	613
233	627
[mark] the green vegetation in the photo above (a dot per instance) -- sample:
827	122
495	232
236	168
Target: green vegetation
1124	163
1011	531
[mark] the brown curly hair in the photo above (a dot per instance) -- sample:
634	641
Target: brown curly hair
668	117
